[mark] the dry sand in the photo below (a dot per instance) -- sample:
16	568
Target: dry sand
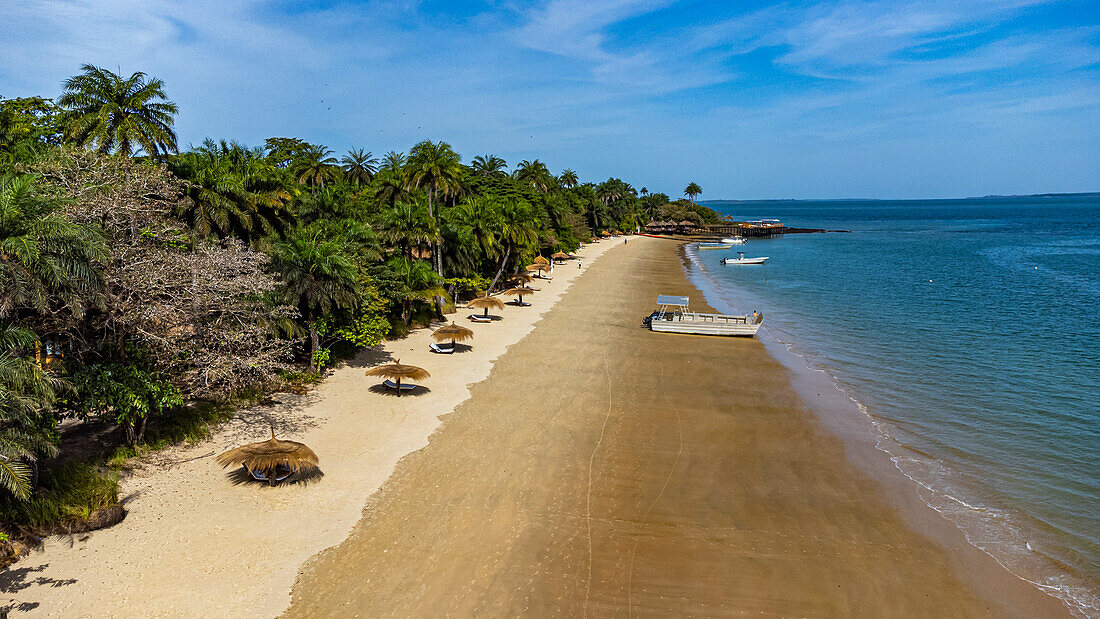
196	544
607	470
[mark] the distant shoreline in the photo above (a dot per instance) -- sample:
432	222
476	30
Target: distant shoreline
1085	194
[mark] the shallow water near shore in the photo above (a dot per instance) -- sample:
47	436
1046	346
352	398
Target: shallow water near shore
968	333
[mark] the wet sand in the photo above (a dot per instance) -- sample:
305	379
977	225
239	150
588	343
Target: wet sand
603	469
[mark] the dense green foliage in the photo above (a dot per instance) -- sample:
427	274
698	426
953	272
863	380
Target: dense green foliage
166	276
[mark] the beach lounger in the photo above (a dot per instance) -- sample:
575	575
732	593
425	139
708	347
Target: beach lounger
404	386
443	350
281	473
479	318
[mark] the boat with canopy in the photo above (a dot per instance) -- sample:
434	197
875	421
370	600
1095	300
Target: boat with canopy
674	316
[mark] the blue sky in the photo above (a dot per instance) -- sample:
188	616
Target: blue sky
837	99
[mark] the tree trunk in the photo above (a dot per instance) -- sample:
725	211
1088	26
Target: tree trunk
140	438
437	250
503	262
314	344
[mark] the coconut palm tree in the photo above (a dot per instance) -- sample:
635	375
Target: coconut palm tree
434	167
407	225
535	174
318	278
568	178
692	190
471	230
316	166
46	261
488	165
118	114
393	161
518	229
359	166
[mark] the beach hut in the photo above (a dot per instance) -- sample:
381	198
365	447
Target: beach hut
518	292
394	373
486	302
453	332
272	460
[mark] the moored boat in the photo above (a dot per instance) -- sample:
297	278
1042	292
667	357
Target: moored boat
673	316
734	240
741	259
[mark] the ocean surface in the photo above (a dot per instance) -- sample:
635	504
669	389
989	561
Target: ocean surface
969	332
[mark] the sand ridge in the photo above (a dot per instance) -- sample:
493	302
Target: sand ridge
196	544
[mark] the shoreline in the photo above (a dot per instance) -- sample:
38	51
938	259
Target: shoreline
242	545
878	453
761	511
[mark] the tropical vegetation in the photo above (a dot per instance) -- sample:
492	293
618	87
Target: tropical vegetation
141	280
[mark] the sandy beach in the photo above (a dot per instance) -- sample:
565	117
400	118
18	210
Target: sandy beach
589	467
195	544
607	470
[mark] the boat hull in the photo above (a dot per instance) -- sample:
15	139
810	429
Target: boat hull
707	324
732	261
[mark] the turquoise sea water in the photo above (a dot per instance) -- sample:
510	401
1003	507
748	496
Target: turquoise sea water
969	332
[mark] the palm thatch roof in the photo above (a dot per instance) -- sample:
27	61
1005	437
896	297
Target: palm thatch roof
522	277
560	256
399	371
519	291
538	266
486	303
541	260
452	332
266	455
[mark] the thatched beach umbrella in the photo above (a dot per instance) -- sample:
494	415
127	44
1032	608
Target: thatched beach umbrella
519	291
268	456
522	277
486	302
397	372
561	256
453	332
541	260
537	267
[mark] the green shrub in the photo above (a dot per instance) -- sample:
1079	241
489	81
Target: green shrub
69	493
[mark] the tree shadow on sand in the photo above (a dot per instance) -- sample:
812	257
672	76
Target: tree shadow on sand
18	579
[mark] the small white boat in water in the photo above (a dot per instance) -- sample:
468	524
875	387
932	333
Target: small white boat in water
741	259
734	240
673	316
705	246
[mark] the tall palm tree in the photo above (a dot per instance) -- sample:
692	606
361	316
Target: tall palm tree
393	161
488	165
407	225
473	224
315	166
359	166
46	260
317	278
535	174
568	178
117	114
518	229
434	167
692	190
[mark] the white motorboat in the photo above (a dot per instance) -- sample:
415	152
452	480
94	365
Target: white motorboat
673	316
741	259
734	240
706	246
